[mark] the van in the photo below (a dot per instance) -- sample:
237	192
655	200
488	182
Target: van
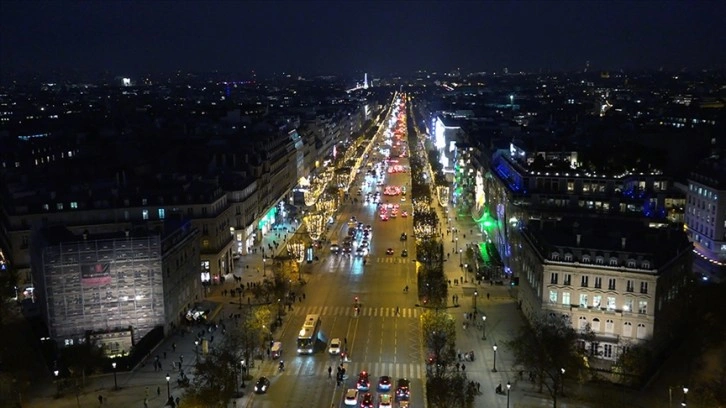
276	350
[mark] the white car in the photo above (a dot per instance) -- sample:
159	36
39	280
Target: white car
334	346
351	397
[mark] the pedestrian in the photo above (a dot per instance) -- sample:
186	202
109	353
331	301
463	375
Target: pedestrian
463	367
173	346
165	354
458	365
478	387
158	391
303	296
146	403
100	399
487	295
330	372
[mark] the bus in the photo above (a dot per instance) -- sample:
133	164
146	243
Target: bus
308	334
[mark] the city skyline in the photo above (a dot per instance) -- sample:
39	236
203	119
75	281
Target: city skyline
375	37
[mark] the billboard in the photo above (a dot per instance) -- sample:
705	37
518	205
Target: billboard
96	274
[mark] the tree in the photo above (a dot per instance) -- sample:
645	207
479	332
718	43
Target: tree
633	363
217	374
439	330
547	346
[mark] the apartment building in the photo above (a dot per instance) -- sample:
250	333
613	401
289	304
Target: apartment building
705	218
114	288
623	280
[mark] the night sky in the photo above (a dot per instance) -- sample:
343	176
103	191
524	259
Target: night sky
312	37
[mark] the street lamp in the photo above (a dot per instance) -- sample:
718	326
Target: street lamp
243	370
168	387
509	386
484	328
57	383
494	347
685	392
115	383
562	380
196	347
476	293
456	249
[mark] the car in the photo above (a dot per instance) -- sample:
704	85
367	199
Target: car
389	251
404	214
262	385
361	252
385	401
384	383
351	397
334	248
403	404
363	383
363	245
367	400
403	390
334	347
403	198
404	253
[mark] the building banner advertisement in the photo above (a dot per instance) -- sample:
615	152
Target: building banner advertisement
96	274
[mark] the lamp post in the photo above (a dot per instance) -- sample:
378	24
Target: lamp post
562	380
456	249
168	387
115	383
476	294
243	370
509	386
685	392
196	347
484	328
494	347
57	383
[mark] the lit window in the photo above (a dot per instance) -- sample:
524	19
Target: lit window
74	204
59	206
553	296
145	214
566	298
161	213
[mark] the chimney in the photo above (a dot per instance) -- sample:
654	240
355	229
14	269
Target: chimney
578	237
623	241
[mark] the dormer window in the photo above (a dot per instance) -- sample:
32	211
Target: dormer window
613	261
586	259
555	256
631	263
144	201
645	264
599	260
568	257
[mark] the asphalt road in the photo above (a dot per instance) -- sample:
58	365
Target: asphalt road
379	340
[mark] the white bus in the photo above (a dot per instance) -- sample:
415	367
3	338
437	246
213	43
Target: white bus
308	334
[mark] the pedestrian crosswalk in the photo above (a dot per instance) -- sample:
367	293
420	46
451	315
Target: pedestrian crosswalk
392	260
404	312
296	367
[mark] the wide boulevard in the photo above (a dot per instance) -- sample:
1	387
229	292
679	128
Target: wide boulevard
380	340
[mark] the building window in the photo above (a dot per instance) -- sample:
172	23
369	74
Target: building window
145	214
596	301
586	259
568	257
59	206
613	261
645	265
629	287
126	215
611	303
205	243
644	287
628	306
598	282
190	212
609	326
631	263
554	278
582	322
607	350
611	284
643	307
74	205
583	300
568	280
162	213
641	334
566	298
599	260
584	281
144	201
595	326
553	296
628	329
555	256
